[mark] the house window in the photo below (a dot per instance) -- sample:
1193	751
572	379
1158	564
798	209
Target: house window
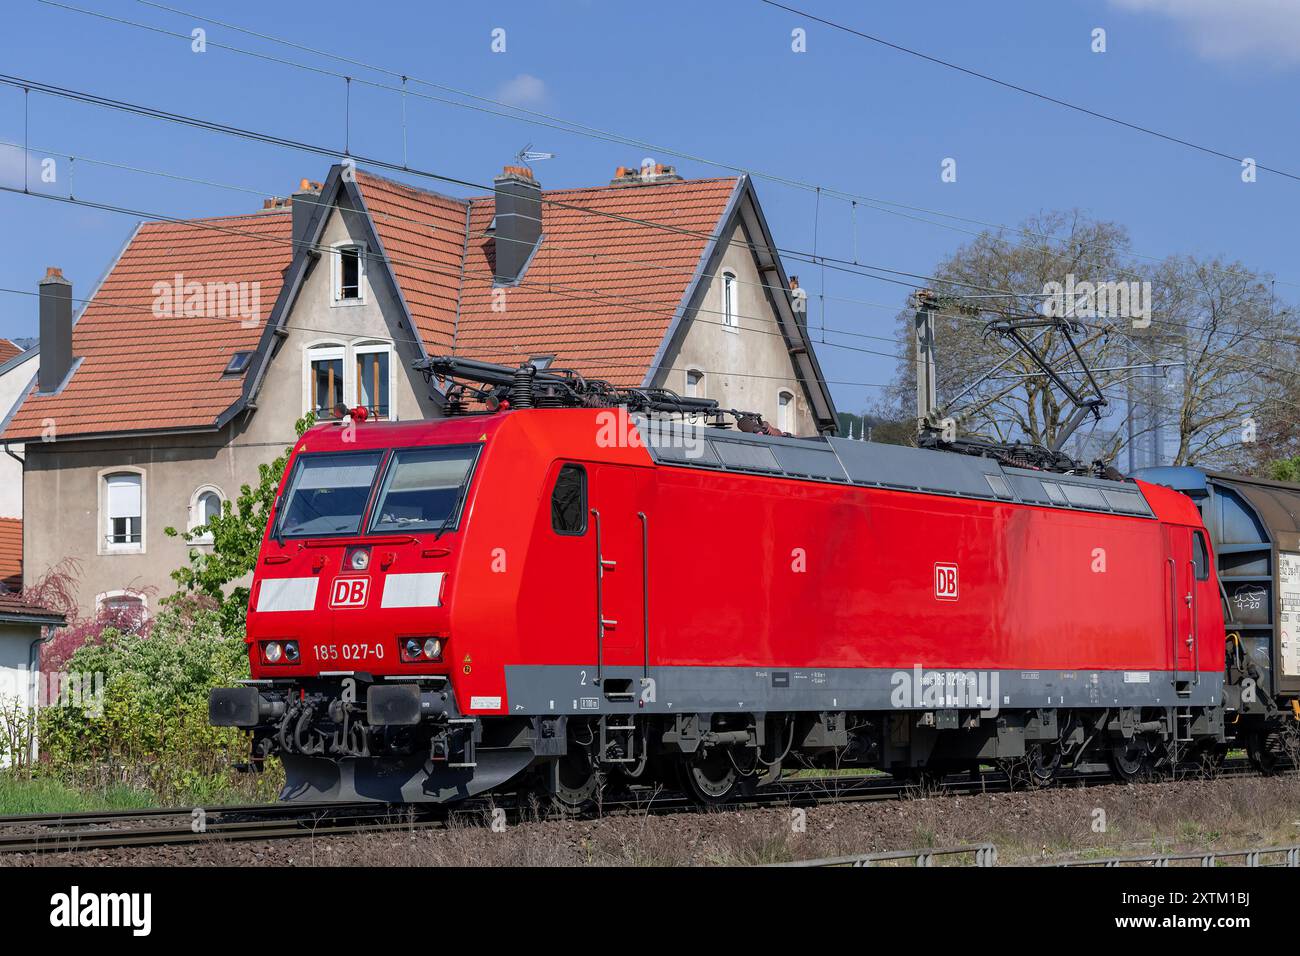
785	412
569	501
325	382
694	383
340	377
349	271
123	511
238	363
124	610
372	380
204	506
730	302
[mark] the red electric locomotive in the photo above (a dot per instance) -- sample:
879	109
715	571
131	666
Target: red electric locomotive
559	597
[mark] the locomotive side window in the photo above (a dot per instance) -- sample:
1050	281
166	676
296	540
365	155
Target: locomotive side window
327	494
569	501
1200	556
424	489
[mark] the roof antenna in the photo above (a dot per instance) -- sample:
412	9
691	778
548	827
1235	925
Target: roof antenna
527	156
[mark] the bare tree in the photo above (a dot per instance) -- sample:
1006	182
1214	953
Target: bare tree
1199	350
1238	349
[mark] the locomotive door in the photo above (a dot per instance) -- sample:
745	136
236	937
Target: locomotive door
619	560
1180	580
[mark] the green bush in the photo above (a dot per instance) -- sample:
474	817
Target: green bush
151	728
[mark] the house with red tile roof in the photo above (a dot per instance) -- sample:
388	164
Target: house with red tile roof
207	339
17	369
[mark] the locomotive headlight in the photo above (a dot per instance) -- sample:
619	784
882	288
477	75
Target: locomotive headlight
291	652
412	648
433	649
272	651
358	559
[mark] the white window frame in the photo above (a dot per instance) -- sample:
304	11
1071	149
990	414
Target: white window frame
370	348
104	597
322	351
730	302
336	273
699	386
194	515
786	411
105	546
347	352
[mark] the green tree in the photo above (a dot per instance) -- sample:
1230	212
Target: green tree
236	537
1285	469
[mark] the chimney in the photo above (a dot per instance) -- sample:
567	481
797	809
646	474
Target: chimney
644	175
56	330
518	221
303	205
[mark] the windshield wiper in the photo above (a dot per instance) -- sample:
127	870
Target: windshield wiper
455	504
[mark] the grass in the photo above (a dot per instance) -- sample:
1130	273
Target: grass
47	793
44	795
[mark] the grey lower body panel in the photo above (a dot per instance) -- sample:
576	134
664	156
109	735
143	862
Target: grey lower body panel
564	689
397	780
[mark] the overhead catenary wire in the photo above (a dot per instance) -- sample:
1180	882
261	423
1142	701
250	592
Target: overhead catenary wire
214	225
1006	84
797	255
525	114
412	341
824	261
615	301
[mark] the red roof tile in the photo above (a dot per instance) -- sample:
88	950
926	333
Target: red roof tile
143	371
11	605
599	295
601	291
8	350
11	553
423	235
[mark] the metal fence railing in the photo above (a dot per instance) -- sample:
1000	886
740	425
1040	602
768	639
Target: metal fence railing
1262	856
986	854
981	854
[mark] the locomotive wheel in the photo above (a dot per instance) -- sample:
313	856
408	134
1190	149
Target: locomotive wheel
709	776
576	784
927	780
1037	770
1269	751
1130	760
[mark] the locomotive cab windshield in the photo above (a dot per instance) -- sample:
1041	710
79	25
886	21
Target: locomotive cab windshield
421	490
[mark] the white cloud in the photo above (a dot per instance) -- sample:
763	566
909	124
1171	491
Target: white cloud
11	167
524	90
1267	30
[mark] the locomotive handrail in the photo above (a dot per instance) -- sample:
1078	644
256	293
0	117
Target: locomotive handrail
600	601
1194	639
1173	614
645	589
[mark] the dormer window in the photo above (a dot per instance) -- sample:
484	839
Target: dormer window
349	273
238	363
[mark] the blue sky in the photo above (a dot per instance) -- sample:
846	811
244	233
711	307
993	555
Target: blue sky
716	80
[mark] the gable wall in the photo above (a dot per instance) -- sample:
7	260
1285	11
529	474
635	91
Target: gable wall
755	356
62	482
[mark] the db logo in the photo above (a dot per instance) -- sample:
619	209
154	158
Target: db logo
945	582
350	592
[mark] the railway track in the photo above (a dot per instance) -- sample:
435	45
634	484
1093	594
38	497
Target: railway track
64	832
